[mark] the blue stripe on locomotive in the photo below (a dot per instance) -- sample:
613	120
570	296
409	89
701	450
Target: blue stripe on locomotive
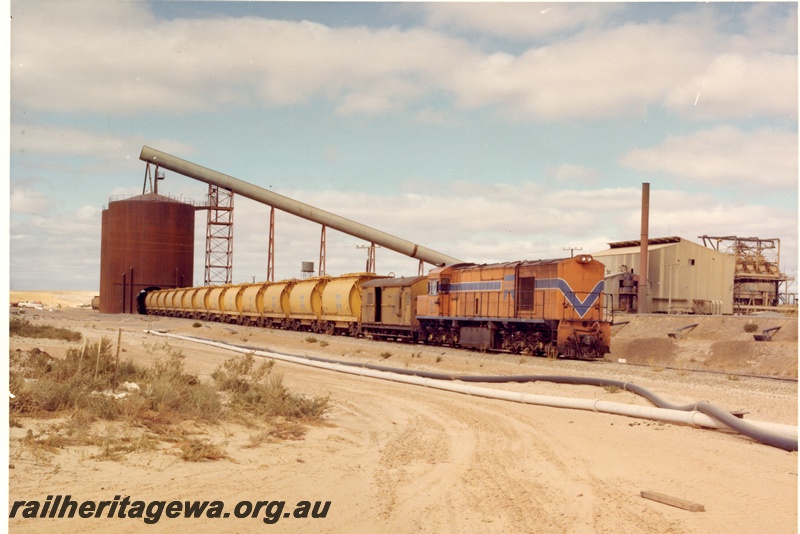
493	285
581	306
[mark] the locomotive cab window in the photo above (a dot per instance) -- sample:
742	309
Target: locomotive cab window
444	286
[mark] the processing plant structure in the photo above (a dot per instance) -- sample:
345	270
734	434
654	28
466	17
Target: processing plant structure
758	279
545	307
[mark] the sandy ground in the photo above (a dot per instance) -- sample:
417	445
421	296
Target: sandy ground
55	299
401	458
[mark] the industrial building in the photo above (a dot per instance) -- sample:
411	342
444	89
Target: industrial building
684	277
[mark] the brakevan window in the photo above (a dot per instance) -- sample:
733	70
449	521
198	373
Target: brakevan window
433	287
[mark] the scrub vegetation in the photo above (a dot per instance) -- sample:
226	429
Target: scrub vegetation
144	408
20	326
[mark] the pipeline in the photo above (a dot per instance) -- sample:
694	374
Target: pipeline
702	414
712	372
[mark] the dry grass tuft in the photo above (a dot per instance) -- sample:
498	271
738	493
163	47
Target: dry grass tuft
196	450
256	390
143	406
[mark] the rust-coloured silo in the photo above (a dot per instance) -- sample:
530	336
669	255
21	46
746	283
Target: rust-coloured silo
147	241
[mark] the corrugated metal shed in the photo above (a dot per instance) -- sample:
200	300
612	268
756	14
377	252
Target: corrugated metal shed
684	277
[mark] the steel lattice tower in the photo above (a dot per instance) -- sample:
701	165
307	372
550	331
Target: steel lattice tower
219	236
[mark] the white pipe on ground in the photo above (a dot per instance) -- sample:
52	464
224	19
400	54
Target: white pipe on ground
693	418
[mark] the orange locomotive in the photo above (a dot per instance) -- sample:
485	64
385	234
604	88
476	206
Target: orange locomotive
547	307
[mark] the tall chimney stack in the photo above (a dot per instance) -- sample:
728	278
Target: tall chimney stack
643	305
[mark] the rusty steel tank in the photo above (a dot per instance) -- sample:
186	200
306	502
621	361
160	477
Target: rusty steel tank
147	242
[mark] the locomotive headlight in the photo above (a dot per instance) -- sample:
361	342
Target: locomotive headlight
583	258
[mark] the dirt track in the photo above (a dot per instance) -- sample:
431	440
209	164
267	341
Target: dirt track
400	458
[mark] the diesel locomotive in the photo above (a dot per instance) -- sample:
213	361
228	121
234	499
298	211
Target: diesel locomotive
546	307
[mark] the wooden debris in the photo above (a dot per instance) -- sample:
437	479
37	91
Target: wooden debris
674	501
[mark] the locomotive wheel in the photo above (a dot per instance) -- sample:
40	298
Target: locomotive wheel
451	338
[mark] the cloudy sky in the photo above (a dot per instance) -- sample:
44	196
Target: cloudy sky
488	132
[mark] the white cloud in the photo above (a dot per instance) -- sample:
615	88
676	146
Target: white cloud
200	64
570	173
432	117
29	201
59	140
122	60
724	156
517	20
56	251
116	59
47	140
735	85
769	27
